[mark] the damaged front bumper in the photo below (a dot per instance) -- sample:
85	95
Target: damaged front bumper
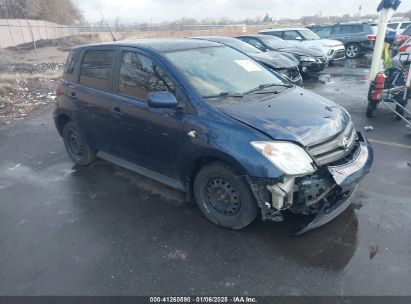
325	194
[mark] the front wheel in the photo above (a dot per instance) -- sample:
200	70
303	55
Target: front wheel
77	146
352	50
224	197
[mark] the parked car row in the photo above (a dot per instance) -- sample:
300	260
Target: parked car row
302	37
206	119
359	38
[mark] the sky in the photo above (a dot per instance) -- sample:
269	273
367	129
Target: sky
168	10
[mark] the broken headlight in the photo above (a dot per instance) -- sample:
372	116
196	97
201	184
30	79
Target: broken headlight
288	157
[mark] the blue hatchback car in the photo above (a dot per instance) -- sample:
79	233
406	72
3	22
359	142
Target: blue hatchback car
206	119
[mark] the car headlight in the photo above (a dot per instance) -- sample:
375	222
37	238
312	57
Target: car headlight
330	52
288	157
307	58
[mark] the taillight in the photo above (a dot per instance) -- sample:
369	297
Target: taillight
404	48
372	37
401	39
58	91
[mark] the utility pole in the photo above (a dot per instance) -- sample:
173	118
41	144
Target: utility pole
386	9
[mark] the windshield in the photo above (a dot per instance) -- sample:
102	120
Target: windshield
240	46
309	35
220	70
276	43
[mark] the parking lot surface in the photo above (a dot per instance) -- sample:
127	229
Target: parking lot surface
103	230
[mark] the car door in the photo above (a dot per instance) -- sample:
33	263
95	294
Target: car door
146	136
94	96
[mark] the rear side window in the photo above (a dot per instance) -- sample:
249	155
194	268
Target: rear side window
343	29
139	76
405	25
357	28
71	65
96	69
393	25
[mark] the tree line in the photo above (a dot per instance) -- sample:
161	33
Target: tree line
58	11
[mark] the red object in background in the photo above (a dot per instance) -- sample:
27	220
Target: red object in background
404	48
372	37
378	87
401	38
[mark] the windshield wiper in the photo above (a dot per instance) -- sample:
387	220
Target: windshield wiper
268	85
225	94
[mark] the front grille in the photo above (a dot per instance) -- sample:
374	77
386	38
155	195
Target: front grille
322	59
335	148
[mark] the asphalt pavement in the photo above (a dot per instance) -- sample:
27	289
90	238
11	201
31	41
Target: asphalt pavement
103	230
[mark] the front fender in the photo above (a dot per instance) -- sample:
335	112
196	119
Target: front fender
228	142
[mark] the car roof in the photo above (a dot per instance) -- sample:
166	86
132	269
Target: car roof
258	36
284	29
159	45
214	38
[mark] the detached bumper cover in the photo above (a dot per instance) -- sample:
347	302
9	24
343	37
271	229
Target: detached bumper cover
353	171
346	177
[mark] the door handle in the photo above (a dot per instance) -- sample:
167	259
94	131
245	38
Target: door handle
73	95
117	111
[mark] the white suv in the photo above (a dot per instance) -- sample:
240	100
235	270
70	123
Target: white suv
332	49
399	26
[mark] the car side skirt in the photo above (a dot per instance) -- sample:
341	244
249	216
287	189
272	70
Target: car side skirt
163	179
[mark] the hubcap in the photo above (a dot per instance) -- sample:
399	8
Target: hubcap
352	51
74	144
223	197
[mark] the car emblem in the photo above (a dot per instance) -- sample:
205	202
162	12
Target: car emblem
346	143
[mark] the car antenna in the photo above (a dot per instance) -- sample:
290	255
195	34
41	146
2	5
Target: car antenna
111	31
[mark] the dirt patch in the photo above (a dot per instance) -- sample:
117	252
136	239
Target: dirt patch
24	89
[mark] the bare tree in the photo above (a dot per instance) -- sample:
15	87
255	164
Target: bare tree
59	11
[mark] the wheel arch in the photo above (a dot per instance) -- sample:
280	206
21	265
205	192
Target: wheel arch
61	120
196	164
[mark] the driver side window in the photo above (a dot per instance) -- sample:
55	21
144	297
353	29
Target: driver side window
291	35
256	43
139	76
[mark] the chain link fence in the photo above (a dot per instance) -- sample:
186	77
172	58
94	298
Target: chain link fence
15	32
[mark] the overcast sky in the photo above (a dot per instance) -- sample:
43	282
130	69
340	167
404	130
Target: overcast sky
163	10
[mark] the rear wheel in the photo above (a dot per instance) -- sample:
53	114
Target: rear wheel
224	197
352	50
76	145
371	108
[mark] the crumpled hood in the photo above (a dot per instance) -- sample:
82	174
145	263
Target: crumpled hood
295	115
275	60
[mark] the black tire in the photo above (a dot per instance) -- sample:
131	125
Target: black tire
371	108
224	197
352	50
76	145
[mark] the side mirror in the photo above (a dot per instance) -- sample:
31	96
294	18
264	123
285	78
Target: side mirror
161	100
404	58
298	38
